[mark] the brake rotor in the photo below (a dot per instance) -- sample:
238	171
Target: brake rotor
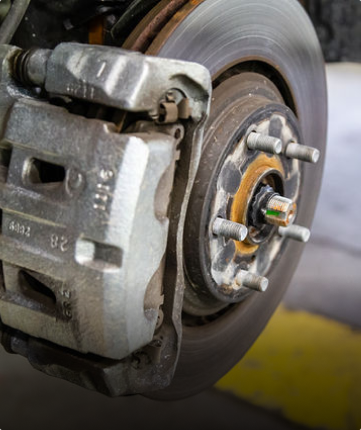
267	68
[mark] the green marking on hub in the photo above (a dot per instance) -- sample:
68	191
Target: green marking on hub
273	213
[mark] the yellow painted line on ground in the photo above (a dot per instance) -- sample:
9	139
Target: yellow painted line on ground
306	366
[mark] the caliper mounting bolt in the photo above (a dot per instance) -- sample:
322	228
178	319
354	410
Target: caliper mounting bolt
264	143
296	232
252	281
230	229
302	152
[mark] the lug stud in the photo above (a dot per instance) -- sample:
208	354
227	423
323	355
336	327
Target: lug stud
264	143
280	211
295	232
252	281
302	152
230	229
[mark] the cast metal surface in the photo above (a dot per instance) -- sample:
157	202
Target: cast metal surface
85	223
114	77
77	234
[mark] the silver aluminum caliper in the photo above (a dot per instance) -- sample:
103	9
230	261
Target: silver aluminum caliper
84	207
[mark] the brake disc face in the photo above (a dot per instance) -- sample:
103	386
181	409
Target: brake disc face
265	80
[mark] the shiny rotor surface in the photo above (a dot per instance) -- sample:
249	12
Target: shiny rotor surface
220	35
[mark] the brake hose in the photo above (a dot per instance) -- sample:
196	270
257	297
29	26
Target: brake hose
13	20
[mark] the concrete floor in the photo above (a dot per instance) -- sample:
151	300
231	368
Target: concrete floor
327	282
33	402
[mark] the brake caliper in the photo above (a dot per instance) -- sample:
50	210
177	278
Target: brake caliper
85	209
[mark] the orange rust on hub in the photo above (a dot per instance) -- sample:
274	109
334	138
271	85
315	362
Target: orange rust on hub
259	167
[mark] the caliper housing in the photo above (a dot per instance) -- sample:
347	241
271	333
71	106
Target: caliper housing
86	210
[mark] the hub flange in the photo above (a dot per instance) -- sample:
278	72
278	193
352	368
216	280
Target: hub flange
243	185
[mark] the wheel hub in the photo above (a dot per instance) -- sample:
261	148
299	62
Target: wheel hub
237	183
